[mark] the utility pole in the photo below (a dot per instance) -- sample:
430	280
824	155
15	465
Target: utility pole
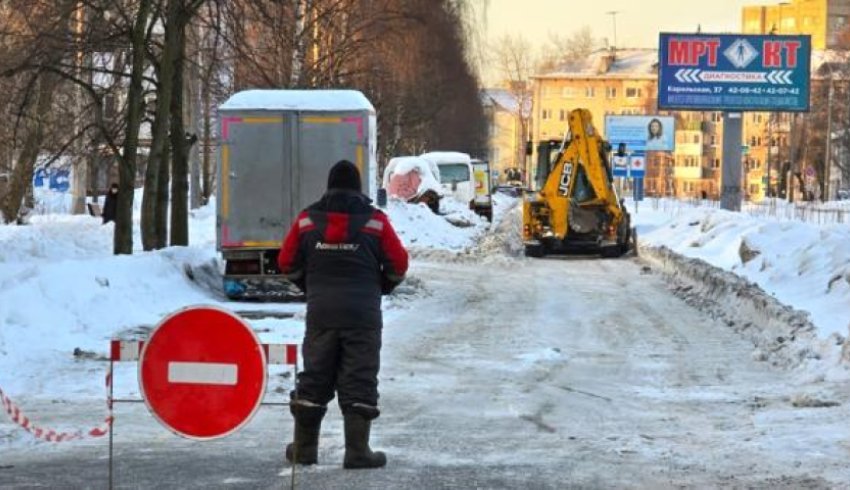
613	15
828	156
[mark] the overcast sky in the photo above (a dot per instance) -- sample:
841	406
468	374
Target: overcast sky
638	21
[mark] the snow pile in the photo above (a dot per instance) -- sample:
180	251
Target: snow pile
408	178
802	265
419	228
61	289
506	238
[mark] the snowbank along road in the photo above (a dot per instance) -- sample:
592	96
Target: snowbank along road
506	373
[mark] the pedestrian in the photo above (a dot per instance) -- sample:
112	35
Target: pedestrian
110	206
344	254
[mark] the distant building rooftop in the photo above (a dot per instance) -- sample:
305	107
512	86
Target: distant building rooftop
605	63
505	99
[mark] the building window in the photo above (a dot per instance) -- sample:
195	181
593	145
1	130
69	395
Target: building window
716	163
714	140
546	114
716	117
589	92
611	92
568	92
696	139
547	91
562	115
633	93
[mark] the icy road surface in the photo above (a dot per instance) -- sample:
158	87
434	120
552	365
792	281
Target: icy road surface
519	374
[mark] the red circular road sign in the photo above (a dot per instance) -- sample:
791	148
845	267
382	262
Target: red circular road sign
202	372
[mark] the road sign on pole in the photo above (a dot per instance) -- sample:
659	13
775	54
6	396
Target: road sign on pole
637	166
620	165
202	373
734	72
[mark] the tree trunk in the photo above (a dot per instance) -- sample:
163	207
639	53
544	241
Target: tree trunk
123	238
194	115
80	178
159	137
298	45
180	152
22	175
207	168
161	209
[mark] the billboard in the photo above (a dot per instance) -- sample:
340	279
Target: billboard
734	72
641	133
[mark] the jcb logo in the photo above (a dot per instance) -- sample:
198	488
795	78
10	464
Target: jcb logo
566	175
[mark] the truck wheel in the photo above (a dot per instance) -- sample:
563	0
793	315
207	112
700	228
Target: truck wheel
535	251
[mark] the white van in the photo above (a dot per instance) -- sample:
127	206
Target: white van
456	174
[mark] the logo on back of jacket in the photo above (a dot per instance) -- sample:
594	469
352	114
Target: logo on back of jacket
338	247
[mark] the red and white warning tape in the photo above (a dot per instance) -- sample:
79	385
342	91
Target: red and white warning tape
123	350
50	435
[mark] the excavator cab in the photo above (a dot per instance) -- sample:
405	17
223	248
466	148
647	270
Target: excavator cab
576	207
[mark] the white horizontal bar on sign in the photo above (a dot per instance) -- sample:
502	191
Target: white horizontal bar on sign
203	373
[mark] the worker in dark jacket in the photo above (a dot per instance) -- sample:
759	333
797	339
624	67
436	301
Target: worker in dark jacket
110	205
344	254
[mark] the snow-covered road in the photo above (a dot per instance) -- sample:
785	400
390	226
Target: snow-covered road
520	373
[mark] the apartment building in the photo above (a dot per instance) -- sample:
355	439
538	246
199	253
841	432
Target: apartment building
824	20
508	130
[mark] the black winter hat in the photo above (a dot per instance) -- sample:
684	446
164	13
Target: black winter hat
344	175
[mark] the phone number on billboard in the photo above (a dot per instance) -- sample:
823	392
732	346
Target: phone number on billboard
763	91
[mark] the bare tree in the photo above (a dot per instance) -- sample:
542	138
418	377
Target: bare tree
514	60
568	49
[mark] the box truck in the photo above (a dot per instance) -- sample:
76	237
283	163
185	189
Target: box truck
276	148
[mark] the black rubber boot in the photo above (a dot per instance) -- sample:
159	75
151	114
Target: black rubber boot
358	454
308	421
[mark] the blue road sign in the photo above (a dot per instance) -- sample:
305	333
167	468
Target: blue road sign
39	177
637	165
734	72
620	166
60	180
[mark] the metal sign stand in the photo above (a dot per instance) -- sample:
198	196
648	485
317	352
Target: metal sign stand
730	184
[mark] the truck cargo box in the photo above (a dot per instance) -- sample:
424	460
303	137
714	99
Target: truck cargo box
276	149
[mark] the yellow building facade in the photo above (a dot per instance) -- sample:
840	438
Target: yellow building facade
507	131
824	20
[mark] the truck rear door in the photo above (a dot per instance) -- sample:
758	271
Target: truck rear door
323	141
256	169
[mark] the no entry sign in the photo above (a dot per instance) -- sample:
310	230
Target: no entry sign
202	373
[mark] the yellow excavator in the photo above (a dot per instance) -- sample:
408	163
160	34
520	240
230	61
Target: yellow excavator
577	208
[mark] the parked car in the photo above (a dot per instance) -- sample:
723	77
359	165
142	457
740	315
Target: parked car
508	190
